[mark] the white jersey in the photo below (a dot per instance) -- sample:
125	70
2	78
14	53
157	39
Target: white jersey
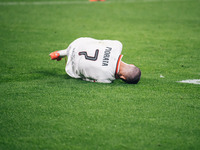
94	60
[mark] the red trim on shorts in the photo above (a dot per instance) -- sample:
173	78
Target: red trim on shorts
118	64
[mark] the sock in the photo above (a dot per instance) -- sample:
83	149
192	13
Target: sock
62	53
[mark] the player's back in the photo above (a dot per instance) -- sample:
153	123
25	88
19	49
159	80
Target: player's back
93	59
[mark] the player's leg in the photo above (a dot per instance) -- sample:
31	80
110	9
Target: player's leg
58	55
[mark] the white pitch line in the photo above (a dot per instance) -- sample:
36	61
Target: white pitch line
192	81
78	2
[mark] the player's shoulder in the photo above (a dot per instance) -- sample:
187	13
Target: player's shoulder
118	43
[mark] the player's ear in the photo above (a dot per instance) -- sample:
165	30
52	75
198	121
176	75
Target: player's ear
122	77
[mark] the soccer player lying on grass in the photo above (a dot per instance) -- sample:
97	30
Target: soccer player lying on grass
97	61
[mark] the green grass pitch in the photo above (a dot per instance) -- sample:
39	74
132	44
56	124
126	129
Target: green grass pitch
41	107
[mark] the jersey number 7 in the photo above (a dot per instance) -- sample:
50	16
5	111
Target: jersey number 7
90	57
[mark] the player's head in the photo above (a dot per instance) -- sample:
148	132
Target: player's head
130	73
